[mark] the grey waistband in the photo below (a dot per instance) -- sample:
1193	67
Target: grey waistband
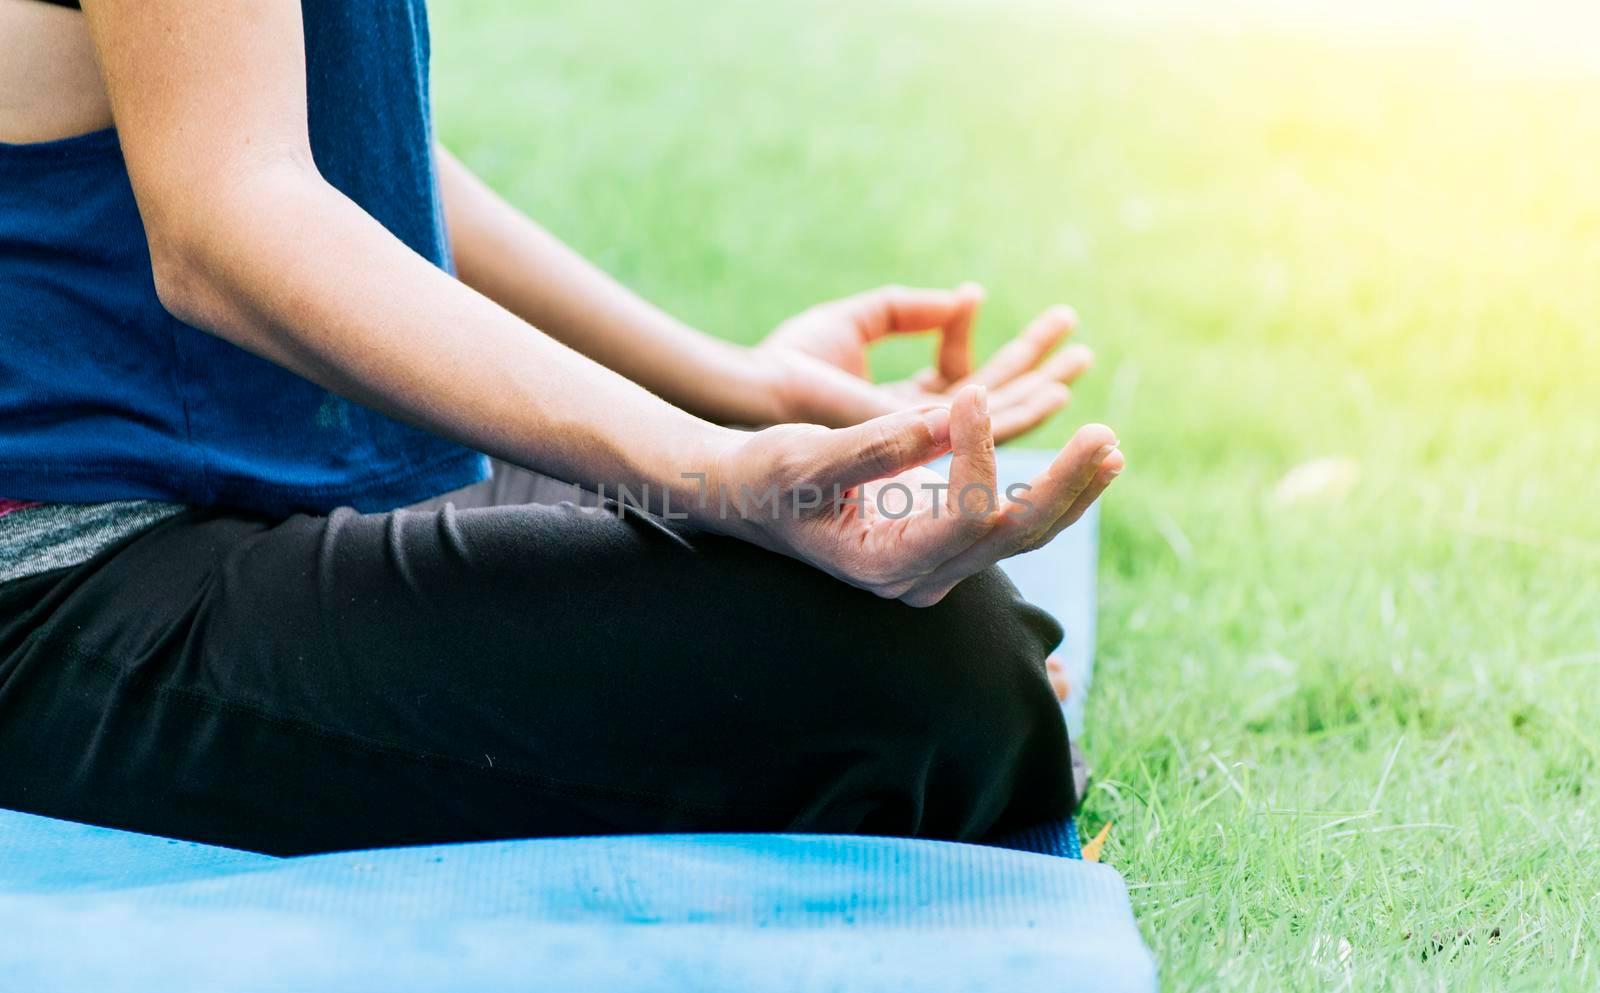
57	535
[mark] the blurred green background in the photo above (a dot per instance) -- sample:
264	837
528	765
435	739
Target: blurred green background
1344	719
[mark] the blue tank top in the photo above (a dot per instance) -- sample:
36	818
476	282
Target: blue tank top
106	396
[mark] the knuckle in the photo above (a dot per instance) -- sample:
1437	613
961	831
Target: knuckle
791	458
1017	351
985	519
881	449
1021	528
834	310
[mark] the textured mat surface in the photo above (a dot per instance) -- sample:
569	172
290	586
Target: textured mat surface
691	913
84	908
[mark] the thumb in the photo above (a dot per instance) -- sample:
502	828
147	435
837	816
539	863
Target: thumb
882	447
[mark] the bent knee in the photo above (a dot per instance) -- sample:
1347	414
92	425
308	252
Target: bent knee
966	724
984	646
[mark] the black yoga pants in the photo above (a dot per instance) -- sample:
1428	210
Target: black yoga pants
493	667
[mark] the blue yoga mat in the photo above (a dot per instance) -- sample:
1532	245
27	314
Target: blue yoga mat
85	908
680	913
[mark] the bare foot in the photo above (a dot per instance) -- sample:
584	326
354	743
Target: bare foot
1058	677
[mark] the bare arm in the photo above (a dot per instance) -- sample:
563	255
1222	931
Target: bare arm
510	259
248	241
813	368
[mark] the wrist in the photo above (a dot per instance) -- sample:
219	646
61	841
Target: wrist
703	471
768	382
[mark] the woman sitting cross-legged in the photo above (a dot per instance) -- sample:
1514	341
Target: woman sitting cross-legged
259	588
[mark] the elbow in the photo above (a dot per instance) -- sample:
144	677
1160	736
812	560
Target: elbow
190	267
209	242
182	284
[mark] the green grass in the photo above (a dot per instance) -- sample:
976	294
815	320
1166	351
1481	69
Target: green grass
1326	731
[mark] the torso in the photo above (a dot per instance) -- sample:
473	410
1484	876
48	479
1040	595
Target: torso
126	402
50	86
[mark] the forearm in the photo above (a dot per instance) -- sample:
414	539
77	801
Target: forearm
512	260
286	266
249	242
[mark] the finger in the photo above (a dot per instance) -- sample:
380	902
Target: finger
880	447
1028	349
1054	491
1109	470
1019	411
1069	364
955	344
903	310
982	554
1029	513
973	473
1023	387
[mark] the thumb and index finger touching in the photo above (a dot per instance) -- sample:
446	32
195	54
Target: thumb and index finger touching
908	310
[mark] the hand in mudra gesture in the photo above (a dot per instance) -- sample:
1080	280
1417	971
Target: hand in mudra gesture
859	503
818	359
